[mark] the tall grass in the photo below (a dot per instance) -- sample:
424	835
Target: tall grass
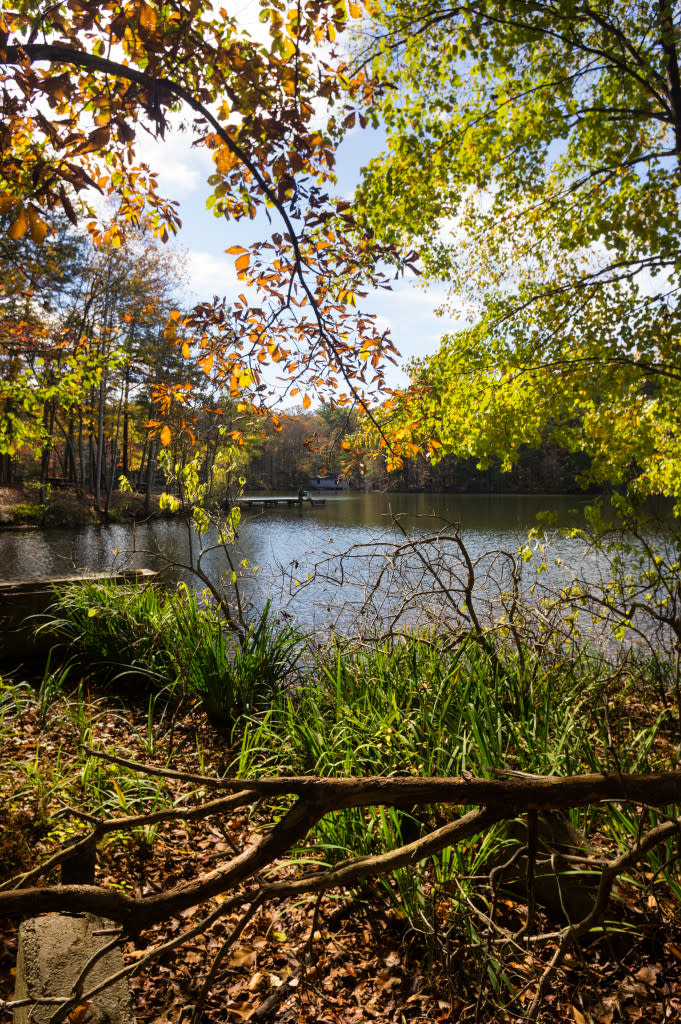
232	676
418	708
175	644
112	630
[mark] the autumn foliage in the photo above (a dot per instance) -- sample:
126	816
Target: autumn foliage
83	79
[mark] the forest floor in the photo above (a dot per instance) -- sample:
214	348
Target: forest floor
65	508
352	960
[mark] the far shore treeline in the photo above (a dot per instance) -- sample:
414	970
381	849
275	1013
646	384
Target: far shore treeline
83	350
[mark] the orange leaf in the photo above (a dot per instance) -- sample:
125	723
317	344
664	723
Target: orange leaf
307	402
165	437
78	1013
225	160
37	226
243	262
234	250
186	351
147	17
19	225
7	203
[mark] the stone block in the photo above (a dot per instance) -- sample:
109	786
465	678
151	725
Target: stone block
53	950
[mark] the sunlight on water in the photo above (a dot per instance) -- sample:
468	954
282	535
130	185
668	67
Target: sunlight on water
320	564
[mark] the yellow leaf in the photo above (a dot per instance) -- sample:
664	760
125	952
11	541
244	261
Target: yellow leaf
307	402
37	226
186	351
165	437
19	225
206	364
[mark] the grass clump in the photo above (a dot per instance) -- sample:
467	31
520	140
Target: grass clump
30	514
175	644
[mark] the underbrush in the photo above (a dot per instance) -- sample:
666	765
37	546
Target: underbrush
421	708
174	645
416	707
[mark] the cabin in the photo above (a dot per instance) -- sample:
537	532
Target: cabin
330	482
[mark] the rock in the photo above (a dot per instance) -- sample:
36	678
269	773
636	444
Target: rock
52	952
561	888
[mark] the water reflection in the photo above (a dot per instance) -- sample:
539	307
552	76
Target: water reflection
296	551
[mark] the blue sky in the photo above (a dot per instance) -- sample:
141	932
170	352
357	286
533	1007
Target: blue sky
408	311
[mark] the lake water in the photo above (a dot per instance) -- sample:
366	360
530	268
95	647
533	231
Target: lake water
342	563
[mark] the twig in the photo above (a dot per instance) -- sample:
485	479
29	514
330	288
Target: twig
219	956
77	988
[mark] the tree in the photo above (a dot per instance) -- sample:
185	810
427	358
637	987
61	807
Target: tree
82	349
104	71
534	158
43	354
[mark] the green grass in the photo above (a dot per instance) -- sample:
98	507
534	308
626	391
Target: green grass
172	644
418	708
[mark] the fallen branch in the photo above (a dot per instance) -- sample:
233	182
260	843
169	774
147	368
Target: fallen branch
493	800
503	798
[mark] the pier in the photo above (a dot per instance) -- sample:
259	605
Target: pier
279	502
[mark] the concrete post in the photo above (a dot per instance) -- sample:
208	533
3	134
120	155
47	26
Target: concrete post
52	953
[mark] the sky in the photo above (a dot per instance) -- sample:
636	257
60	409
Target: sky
408	310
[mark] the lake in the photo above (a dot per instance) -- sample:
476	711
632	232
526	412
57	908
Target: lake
341	563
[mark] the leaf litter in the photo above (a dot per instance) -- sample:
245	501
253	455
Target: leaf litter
362	963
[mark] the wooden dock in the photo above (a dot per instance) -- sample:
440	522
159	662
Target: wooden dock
279	502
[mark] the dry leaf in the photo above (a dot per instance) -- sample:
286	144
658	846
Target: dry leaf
78	1013
649	974
242	958
257	982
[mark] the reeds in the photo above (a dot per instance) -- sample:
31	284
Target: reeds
175	644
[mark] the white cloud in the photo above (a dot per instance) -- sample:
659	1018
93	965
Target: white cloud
180	168
211	275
